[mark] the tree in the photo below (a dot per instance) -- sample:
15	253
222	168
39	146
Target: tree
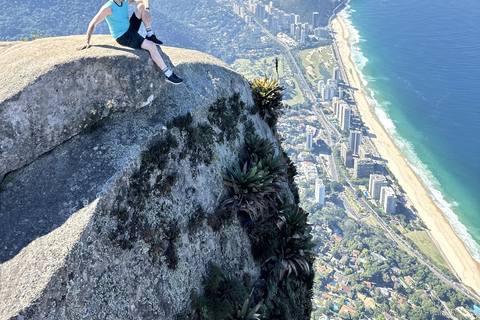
358	193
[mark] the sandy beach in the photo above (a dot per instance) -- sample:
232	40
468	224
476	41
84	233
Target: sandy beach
440	229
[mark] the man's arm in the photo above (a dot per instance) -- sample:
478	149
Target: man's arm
102	14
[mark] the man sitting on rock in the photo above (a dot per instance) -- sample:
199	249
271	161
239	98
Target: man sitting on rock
125	31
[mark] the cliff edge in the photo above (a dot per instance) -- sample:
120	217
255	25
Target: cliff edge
109	204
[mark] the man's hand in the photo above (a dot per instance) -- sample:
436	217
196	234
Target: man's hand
86	45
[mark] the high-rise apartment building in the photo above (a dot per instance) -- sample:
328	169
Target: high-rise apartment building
377	181
363	168
355	140
298	32
346	114
336	73
347	155
316	20
388	200
319	191
309	142
321	83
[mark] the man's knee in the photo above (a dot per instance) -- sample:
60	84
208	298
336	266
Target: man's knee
139	10
141	7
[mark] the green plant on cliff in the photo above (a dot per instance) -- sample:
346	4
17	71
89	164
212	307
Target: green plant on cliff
225	114
198	140
267	95
247	312
222	296
251	190
36	36
253	183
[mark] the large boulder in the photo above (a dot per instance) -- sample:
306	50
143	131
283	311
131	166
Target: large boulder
113	179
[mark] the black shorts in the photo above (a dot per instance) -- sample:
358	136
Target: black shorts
131	38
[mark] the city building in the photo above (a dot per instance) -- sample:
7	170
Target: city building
321	83
259	11
388	200
332	82
298	31
336	74
303	35
328	92
340	93
319	191
297	19
335	105
309	142
347	155
320	33
363	168
309	170
292	29
345	117
364	152
355	140
316	20
377	181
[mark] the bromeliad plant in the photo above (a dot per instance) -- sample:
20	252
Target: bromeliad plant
294	252
247	313
267	95
293	220
253	184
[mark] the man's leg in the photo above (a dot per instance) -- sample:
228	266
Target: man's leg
146	18
157	58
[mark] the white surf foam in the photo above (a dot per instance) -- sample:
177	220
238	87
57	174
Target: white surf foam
407	148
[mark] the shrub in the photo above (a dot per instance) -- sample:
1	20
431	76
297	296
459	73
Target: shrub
253	182
267	95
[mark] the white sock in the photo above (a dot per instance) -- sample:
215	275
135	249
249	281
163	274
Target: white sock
167	72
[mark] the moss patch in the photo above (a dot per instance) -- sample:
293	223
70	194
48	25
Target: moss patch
198	140
131	213
225	114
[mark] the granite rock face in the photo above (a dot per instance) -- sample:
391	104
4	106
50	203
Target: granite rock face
112	177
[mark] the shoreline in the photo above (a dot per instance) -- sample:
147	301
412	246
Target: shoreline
449	244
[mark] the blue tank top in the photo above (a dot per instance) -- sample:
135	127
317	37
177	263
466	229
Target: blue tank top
118	22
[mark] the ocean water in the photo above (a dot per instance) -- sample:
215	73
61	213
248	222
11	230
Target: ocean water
420	66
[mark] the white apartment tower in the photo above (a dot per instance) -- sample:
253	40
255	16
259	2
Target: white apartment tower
377	181
388	200
321	83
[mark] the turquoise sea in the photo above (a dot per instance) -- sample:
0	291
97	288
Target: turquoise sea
420	64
